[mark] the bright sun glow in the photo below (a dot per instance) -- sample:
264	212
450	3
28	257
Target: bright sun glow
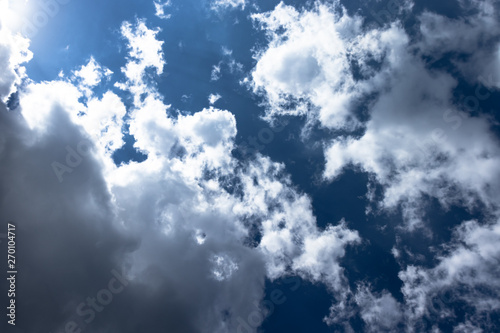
16	15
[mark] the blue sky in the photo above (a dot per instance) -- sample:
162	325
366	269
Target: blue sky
252	166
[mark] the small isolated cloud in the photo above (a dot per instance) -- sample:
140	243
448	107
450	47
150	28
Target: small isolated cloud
226	52
145	52
91	74
216	72
213	98
218	5
186	98
160	9
229	63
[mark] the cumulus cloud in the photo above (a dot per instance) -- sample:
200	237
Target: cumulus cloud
307	62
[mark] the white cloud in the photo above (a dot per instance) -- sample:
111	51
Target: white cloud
205	140
440	34
227	52
223	267
219	5
308	62
319	261
145	49
475	36
103	119
160	9
290	240
92	73
467	274
38	100
228	62
216	72
381	313
145	52
13	53
416	146
213	98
